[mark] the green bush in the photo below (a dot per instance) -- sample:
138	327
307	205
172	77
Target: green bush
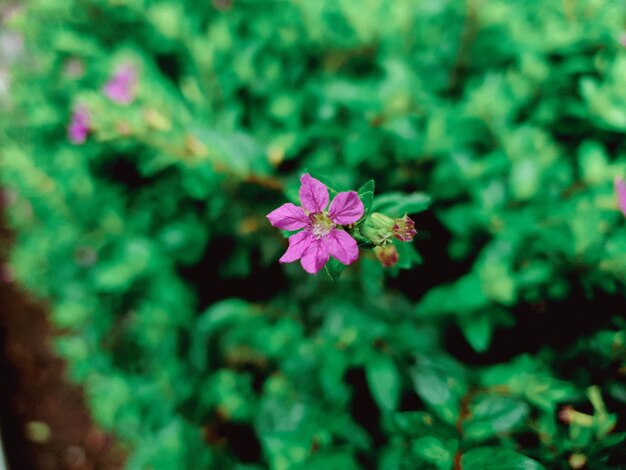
505	349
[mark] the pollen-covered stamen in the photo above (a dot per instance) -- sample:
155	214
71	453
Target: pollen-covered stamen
321	225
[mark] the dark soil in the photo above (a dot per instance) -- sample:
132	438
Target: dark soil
44	422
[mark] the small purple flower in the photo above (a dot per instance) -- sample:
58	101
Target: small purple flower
622	39
79	125
620	191
320	238
121	87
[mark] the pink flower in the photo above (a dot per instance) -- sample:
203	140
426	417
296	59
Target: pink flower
620	191
79	125
320	238
121	87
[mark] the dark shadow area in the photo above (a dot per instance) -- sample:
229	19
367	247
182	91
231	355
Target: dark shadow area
170	65
121	170
210	286
432	241
554	324
13	441
365	412
242	441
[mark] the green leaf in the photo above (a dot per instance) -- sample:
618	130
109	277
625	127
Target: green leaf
492	414
384	381
477	330
434	451
397	204
414	423
366	194
441	382
407	255
464	295
339	458
494	458
334	268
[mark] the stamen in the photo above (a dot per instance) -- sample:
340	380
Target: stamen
321	225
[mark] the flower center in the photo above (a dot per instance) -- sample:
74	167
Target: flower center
321	225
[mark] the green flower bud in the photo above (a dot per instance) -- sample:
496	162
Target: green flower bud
378	228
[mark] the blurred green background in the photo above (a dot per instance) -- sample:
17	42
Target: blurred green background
140	220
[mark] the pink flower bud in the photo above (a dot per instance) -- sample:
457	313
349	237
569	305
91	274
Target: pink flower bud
404	229
387	255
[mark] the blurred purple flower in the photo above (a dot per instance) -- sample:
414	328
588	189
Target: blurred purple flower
121	87
79	125
620	191
320	238
622	39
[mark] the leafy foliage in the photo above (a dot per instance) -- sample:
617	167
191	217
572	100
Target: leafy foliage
504	349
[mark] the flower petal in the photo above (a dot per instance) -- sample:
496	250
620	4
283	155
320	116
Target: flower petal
313	194
346	208
315	256
342	246
288	217
298	243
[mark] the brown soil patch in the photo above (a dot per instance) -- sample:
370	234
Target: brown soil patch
45	423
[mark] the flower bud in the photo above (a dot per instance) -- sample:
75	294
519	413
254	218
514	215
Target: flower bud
387	255
577	461
569	415
378	229
404	229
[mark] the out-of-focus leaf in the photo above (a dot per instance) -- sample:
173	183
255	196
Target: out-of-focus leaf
366	194
384	381
493	458
399	204
442	383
